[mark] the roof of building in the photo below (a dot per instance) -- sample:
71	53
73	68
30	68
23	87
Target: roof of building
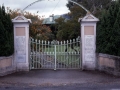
49	21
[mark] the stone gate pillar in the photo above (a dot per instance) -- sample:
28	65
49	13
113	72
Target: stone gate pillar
21	43
88	37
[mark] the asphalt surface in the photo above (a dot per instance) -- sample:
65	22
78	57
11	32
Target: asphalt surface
59	80
92	86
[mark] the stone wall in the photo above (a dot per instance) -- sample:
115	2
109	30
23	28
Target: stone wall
108	63
6	65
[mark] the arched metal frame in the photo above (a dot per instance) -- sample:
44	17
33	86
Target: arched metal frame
68	0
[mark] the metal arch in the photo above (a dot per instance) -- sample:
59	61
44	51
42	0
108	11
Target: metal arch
30	5
22	11
79	5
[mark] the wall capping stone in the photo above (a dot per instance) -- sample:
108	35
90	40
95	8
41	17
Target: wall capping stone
5	57
109	56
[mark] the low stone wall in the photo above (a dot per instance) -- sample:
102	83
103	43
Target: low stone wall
108	63
6	65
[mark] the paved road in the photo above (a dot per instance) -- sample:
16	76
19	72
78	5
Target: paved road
58	77
59	80
113	86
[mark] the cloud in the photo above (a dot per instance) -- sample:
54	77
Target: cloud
45	7
14	3
50	7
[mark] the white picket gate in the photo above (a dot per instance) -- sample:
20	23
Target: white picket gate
55	54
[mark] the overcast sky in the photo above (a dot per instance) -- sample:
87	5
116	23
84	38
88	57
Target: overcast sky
44	7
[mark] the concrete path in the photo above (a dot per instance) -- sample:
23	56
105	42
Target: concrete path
57	78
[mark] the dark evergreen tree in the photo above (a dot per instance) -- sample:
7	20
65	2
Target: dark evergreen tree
1	16
6	34
2	39
116	34
94	6
3	10
71	28
108	31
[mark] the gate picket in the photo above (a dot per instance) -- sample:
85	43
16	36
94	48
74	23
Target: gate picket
55	54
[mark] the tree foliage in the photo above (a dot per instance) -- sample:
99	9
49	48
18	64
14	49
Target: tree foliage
6	33
108	30
40	32
37	30
71	29
94	6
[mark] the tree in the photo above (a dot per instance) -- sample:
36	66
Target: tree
71	29
2	38
6	34
94	6
37	30
108	32
41	32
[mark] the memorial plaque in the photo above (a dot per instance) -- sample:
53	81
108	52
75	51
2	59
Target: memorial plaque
89	41
21	59
20	45
89	48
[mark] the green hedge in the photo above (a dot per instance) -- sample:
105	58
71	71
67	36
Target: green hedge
6	33
108	30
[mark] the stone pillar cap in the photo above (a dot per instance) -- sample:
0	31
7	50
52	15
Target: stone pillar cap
20	18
